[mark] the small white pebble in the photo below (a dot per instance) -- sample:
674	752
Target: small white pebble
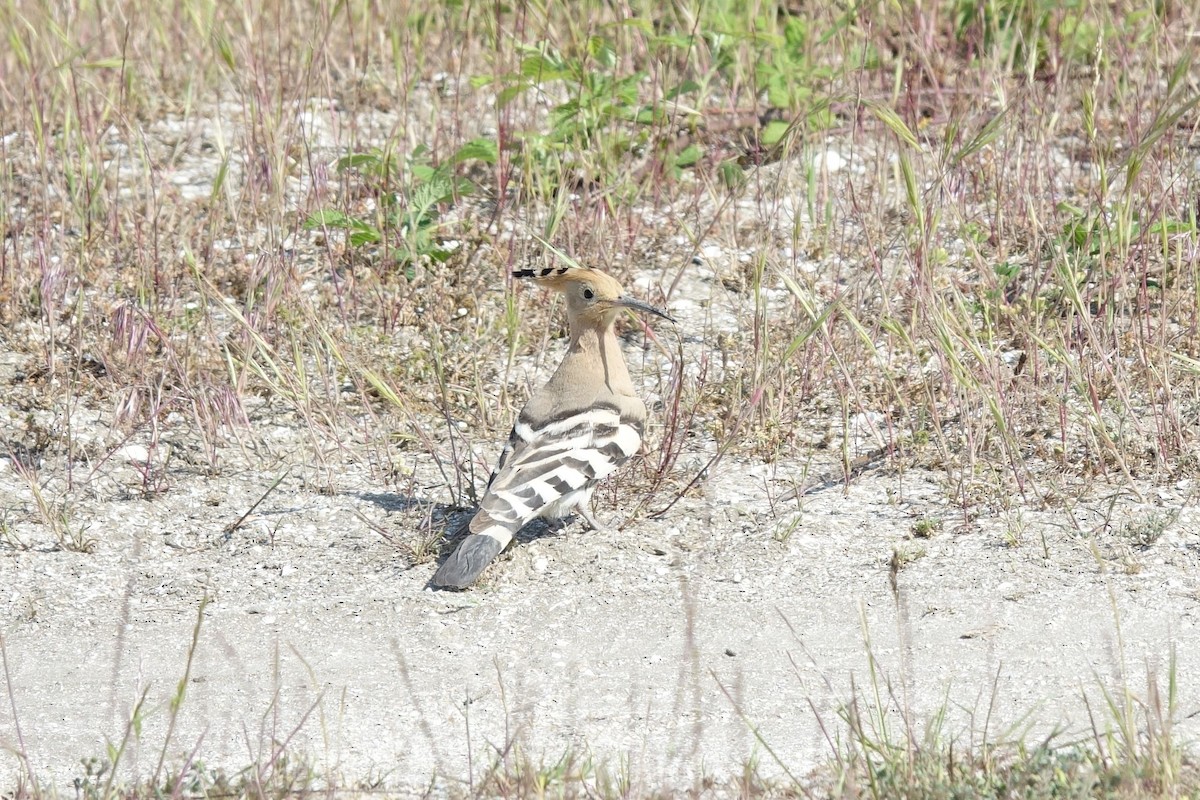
1011	357
830	160
134	452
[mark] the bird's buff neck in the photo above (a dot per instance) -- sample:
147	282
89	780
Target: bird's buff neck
589	343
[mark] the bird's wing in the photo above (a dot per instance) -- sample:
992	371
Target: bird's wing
565	453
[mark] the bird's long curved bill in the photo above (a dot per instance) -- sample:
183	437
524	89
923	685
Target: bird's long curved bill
638	305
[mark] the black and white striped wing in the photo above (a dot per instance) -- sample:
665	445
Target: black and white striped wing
543	470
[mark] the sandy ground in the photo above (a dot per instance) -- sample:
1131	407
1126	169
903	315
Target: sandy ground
651	648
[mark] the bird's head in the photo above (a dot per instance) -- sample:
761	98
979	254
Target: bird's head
592	297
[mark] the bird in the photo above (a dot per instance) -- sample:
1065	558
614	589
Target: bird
572	433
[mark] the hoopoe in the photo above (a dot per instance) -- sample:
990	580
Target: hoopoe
575	431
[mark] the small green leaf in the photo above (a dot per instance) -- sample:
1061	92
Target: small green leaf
686	87
369	161
484	150
326	218
732	174
688	156
795	35
602	50
1171	226
779	93
773	131
365	236
541	68
360	232
1008	270
510	93
649	115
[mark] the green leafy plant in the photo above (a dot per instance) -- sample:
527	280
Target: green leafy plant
601	115
408	219
791	79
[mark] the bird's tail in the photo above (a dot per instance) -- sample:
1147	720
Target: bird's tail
487	540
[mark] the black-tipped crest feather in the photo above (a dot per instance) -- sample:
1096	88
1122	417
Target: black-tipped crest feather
544	272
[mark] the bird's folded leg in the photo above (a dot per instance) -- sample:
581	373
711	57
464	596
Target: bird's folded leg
591	520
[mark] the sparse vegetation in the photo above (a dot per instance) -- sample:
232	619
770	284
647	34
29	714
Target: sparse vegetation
1143	533
927	527
956	236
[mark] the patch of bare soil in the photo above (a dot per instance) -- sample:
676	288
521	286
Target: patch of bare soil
655	646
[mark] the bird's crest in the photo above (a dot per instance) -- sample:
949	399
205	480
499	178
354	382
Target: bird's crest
561	278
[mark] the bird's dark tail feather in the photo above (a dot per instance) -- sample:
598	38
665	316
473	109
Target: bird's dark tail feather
465	564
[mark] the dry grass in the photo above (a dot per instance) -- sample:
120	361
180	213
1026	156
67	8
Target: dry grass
963	232
982	223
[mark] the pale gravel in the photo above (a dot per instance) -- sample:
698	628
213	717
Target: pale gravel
630	646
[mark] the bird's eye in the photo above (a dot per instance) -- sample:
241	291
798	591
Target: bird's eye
588	294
